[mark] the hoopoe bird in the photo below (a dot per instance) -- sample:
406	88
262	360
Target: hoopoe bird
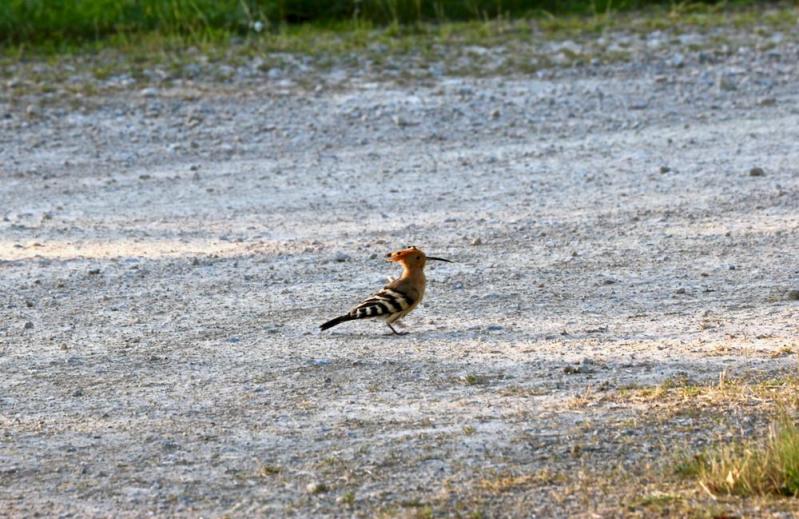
398	298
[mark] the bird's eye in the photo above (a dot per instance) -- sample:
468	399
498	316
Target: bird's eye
418	257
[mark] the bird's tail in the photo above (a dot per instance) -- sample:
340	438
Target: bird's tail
337	320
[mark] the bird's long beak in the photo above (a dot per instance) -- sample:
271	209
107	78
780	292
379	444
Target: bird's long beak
439	259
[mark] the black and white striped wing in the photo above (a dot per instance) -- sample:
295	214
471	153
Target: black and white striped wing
384	304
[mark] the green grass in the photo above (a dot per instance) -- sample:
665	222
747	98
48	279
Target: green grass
326	44
56	22
750	468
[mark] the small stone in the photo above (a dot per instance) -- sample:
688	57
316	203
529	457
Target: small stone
477	241
340	257
767	101
585	366
726	82
495	114
757	172
77	393
792	295
94	272
494	328
28	325
148	92
145	177
679	291
664	169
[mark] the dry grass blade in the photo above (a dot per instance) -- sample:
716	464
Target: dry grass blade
754	468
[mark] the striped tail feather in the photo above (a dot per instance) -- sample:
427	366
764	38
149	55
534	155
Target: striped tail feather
388	304
338	320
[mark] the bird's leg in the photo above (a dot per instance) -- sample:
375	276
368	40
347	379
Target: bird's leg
395	331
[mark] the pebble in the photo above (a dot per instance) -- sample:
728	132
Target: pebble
28	325
665	169
679	291
340	257
726	83
792	295
94	272
757	172
477	241
586	366
677	60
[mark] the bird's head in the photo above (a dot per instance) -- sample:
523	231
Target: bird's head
411	257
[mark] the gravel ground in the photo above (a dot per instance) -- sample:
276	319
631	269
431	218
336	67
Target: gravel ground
167	254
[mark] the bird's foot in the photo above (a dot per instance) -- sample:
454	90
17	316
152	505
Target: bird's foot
395	332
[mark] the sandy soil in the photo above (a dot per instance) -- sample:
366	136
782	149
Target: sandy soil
167	254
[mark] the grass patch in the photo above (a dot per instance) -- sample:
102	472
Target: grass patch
73	71
212	27
54	21
500	483
655	500
269	470
678	391
752	467
347	499
473	379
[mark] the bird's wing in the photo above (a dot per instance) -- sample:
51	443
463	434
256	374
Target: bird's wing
387	301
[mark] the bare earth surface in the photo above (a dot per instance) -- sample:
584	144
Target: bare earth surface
167	254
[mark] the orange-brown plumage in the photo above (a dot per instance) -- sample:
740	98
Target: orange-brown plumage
398	298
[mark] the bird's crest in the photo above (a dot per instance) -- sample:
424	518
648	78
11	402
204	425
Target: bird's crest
402	253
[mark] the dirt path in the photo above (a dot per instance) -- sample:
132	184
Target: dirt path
167	254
